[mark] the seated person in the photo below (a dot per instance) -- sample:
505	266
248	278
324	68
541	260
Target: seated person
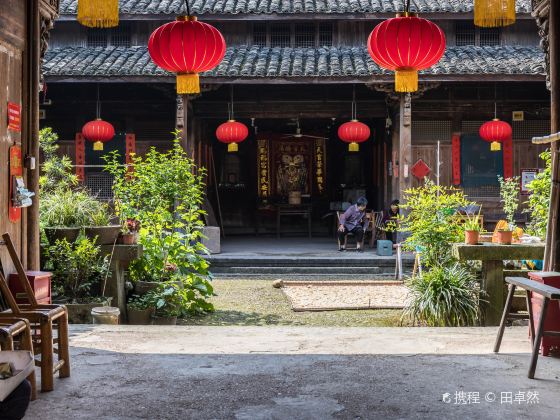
390	218
353	221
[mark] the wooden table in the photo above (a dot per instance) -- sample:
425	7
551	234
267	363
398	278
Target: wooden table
292	210
492	257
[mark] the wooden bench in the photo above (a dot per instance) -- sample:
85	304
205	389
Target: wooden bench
548	293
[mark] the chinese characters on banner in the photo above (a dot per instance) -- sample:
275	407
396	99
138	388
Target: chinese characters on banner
263	169
16	169
14	117
320	165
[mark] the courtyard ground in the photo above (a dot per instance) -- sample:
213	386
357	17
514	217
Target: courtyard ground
291	372
256	302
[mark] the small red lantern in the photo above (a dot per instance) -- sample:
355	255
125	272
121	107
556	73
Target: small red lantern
353	132
187	47
232	132
406	44
99	132
495	132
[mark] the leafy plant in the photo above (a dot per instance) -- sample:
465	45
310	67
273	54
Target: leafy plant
178	298
56	172
71	208
472	222
429	220
443	297
164	191
140	303
509	193
539	198
78	269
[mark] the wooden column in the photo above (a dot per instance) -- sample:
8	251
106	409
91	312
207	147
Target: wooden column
33	235
552	252
182	121
405	146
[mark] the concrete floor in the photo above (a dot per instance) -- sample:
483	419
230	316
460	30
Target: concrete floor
154	372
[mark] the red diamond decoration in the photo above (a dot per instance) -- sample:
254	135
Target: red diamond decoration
420	169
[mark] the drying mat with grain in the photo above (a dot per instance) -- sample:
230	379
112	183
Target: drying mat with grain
337	295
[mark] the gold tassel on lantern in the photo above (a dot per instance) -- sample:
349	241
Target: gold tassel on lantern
495	146
353	147
188	83
494	13
98	13
232	147
97	146
406	81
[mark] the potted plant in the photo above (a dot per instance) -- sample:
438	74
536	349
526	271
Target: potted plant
139	310
79	274
100	229
170	301
509	193
472	229
129	234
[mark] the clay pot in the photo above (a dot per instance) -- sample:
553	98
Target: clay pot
103	235
143	287
505	237
60	233
129	238
139	316
471	237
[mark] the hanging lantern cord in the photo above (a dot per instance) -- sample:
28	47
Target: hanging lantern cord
495	100
354	110
98	105
231	103
407	9
187	7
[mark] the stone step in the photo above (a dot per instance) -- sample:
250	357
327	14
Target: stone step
306	262
321	270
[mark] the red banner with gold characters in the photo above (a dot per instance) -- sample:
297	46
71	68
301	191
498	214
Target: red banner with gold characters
320	168
16	169
263	168
14	117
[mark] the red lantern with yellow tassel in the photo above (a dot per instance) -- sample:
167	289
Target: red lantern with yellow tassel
232	132
98	13
494	13
98	132
406	44
187	47
353	132
495	132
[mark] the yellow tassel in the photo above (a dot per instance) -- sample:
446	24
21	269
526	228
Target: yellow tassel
188	83
353	147
232	147
97	146
495	146
98	13
494	13
406	81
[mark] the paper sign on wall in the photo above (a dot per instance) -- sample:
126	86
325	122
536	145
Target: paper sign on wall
14	117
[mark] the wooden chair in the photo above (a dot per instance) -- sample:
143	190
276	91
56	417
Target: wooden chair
18	331
376	226
346	237
44	320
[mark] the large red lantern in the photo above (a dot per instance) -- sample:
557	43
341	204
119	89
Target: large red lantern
353	132
406	44
495	132
98	132
187	47
232	132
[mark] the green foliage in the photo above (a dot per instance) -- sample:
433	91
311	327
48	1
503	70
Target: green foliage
164	193
179	298
139	303
429	219
57	171
78	269
472	222
443	297
539	198
509	192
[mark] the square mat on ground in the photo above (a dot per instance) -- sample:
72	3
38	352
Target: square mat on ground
338	295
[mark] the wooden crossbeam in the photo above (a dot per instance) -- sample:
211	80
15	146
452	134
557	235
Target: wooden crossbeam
546	139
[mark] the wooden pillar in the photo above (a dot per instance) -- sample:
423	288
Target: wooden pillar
552	250
182	121
33	235
405	144
395	147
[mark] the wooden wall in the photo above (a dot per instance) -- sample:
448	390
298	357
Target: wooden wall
12	45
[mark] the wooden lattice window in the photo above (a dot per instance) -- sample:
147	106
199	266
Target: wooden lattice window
468	34
280	35
96	38
305	35
325	34
300	35
121	35
259	34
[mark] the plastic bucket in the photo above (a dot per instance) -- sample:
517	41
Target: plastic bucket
105	315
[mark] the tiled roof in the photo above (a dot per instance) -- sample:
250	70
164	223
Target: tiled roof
264	62
173	7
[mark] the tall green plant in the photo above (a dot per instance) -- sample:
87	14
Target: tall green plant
443	297
164	191
430	222
57	171
509	193
539	198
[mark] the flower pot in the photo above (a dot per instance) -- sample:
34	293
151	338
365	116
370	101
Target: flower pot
471	237
128	238
143	287
80	313
103	235
165	320
60	233
505	237
139	316
106	315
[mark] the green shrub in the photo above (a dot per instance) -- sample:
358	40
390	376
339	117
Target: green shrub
443	297
539	198
79	269
509	193
71	208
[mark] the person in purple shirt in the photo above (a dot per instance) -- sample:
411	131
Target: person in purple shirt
353	221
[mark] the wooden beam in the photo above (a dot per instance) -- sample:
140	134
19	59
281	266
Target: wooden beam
546	139
405	146
552	248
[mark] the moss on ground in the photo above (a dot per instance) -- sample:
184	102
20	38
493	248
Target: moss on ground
256	302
